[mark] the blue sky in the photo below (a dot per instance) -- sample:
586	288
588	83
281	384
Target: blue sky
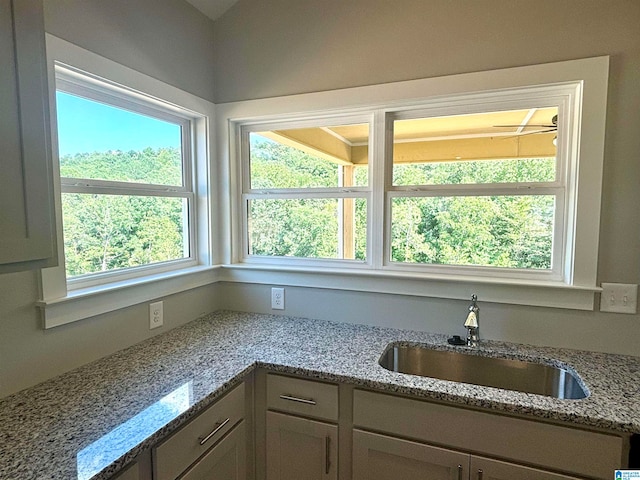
89	126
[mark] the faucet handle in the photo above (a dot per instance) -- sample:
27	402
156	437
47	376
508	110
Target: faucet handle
472	320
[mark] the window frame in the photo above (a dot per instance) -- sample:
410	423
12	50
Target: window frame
588	77
65	301
567	98
79	84
338	192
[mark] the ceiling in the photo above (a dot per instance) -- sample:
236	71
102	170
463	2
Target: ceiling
213	8
526	133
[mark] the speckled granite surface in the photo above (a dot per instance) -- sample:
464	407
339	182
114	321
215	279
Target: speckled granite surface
90	422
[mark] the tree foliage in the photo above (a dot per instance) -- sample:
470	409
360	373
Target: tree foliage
108	232
512	231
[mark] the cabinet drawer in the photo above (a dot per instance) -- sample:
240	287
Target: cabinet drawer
302	397
536	443
181	449
225	461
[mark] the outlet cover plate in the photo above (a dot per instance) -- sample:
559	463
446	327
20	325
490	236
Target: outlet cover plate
156	315
277	298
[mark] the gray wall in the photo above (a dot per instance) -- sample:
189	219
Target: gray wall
168	40
277	47
282	47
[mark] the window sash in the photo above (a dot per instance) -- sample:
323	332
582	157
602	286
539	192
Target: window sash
102	91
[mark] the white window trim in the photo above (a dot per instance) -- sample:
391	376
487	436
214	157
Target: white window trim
61	304
575	292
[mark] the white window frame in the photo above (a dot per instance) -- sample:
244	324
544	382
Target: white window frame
583	106
75	83
80	71
338	192
567	98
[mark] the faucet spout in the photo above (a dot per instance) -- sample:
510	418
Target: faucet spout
472	323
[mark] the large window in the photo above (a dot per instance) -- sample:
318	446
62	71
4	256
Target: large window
477	185
126	183
134	187
491	186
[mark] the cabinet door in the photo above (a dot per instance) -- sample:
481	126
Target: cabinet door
378	457
26	193
301	449
486	469
225	461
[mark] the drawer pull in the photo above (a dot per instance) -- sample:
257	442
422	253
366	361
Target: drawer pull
306	401
218	427
327	452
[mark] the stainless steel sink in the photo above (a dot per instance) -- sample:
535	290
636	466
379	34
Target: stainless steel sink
506	373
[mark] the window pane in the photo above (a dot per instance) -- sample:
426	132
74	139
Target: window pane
103	142
505	147
506	231
110	232
319	157
308	228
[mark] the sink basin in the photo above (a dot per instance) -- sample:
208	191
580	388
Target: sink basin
510	374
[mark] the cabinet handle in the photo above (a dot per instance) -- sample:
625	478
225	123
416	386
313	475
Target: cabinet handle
217	428
459	472
306	401
327	455
480	474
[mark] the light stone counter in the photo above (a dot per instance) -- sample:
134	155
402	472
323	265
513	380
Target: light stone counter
90	422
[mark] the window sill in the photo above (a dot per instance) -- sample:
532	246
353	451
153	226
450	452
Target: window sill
514	292
88	302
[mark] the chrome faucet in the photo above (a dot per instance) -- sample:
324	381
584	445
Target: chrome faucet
472	323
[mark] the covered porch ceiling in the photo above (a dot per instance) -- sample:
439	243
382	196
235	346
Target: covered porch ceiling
526	133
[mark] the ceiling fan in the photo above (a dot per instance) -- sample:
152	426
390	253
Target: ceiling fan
546	128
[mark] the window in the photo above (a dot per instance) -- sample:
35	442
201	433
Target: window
473	185
126	183
306	191
487	182
134	187
483	192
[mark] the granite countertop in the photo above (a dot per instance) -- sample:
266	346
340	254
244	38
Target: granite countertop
88	423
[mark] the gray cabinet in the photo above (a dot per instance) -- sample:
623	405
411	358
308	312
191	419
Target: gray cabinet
487	469
300	448
27	237
380	457
543	447
225	461
212	446
301	430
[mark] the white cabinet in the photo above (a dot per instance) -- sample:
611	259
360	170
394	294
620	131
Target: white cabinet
26	192
301	429
212	446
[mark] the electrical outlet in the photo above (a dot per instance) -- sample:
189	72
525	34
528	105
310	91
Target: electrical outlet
155	315
619	298
277	298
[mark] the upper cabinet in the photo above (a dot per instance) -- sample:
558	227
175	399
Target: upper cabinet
27	239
